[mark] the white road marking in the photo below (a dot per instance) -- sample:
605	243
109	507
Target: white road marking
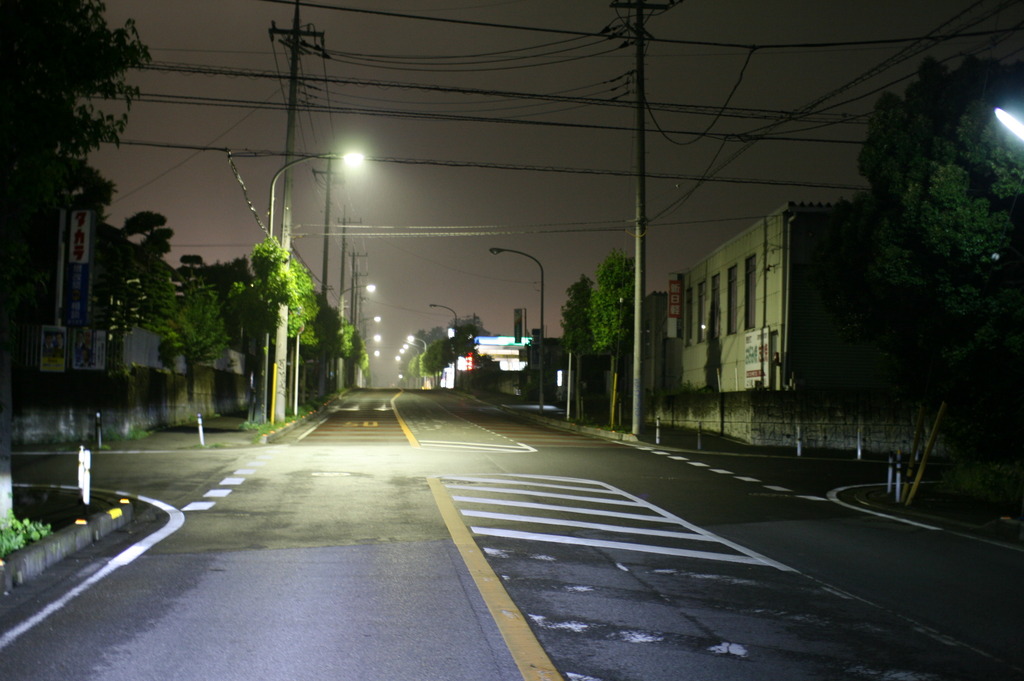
746	479
776	488
720	471
833	496
217	493
491	447
175	521
678	458
245	471
665	524
546	495
522	480
199	506
625	546
698	464
232	481
563	509
544	520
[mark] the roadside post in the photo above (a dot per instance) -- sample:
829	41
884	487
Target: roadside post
202	440
84	472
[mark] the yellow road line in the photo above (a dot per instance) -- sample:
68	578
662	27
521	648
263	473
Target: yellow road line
534	664
405	429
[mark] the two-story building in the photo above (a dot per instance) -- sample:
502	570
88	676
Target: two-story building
749	315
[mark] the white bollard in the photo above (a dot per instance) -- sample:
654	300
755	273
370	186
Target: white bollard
657	430
799	442
84	472
859	444
700	428
202	440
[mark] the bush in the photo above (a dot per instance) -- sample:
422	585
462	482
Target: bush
999	483
14	533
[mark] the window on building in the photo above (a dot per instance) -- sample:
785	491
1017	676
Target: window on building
715	329
702	320
688	312
750	293
731	302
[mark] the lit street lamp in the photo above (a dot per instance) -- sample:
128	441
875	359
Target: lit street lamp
540	349
1015	126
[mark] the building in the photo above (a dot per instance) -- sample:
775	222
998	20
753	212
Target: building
749	317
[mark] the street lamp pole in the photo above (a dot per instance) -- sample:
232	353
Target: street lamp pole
540	350
281	339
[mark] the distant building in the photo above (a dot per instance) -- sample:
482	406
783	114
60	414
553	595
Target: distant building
749	317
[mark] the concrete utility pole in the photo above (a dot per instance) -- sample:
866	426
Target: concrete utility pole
292	42
639	260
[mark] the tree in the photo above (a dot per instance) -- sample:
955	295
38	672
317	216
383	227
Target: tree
927	264
577	337
135	286
196	331
611	313
61	62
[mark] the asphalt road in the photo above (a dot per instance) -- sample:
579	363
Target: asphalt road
428	536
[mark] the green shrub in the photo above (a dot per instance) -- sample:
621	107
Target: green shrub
999	483
14	533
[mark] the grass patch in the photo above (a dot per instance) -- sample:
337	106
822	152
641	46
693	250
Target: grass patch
16	534
998	483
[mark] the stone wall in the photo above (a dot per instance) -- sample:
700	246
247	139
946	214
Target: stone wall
820	419
62	407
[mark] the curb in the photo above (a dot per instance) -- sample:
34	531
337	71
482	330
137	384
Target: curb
1010	530
28	563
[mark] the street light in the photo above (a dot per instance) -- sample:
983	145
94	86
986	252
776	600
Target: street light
1007	119
281	338
540	349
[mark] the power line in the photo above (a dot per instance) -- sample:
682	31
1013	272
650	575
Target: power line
608	34
519	167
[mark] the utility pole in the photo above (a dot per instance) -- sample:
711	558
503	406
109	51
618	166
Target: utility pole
640	244
292	42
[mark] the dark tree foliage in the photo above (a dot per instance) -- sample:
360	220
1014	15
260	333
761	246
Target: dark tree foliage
928	264
577	336
62	64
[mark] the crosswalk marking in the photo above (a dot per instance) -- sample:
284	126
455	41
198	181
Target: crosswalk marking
627	546
540	500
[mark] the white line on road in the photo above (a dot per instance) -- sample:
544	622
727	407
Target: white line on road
626	546
175	521
217	493
546	495
623	529
232	481
199	506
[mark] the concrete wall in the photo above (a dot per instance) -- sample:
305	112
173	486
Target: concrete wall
62	407
826	419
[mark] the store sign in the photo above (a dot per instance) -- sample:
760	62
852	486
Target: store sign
756	357
79	259
675	298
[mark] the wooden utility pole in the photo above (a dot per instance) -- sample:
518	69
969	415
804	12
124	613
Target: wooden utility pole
293	43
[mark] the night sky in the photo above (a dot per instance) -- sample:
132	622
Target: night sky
458	166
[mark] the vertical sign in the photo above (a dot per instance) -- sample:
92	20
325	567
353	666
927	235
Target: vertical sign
675	299
80	240
52	350
756	356
89	349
